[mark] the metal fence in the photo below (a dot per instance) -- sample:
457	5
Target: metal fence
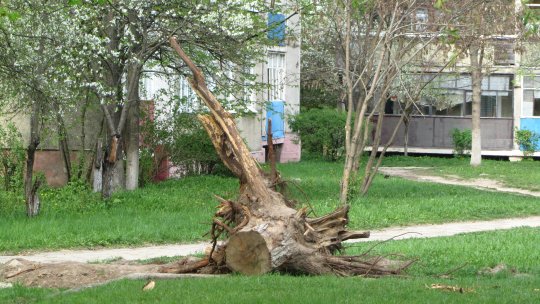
436	131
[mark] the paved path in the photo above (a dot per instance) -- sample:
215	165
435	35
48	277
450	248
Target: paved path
419	231
422	174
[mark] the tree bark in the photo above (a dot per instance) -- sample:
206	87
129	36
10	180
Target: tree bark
265	233
271	152
111	168
63	143
349	148
31	187
406	136
132	148
476	56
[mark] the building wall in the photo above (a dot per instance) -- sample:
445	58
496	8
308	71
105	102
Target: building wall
49	131
251	130
289	147
21	122
48	158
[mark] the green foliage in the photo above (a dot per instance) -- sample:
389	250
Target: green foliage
183	140
318	98
11	15
462	140
190	142
147	165
12	156
11	203
321	131
530	19
527	140
439	4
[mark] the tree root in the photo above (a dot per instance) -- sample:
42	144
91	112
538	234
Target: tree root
265	232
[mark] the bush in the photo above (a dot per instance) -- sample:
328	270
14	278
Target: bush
462	140
322	131
527	140
12	156
183	140
190	142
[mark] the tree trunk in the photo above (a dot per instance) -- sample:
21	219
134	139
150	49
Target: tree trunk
116	123
406	137
111	168
132	148
63	143
31	187
476	56
349	147
265	233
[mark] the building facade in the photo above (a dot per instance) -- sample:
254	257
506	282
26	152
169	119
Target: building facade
280	98
510	100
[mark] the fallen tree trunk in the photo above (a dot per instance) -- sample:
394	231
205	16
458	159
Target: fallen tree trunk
265	233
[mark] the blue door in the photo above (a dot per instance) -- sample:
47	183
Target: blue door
275	110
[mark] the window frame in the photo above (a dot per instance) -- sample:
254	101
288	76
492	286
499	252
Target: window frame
535	87
276	91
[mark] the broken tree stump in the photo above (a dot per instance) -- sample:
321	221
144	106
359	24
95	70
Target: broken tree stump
265	232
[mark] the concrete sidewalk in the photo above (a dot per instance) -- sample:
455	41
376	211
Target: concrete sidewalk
398	233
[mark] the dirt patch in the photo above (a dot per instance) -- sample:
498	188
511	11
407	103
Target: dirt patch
422	174
67	274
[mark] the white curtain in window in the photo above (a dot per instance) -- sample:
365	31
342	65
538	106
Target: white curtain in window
276	76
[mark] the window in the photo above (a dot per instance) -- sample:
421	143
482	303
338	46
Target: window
276	28
503	54
531	96
188	99
492	104
421	20
276	76
488	106
452	95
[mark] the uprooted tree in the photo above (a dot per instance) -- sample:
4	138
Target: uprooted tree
265	233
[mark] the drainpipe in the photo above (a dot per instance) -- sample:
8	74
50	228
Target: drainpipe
518	79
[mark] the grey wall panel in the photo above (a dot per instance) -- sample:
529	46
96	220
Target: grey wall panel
436	131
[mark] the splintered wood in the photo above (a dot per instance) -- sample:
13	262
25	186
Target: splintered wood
265	233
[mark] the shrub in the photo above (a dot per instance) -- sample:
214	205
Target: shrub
462	140
183	140
527	140
322	131
12	156
190	142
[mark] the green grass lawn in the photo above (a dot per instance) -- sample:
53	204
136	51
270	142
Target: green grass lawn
466	254
524	174
396	201
180	210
